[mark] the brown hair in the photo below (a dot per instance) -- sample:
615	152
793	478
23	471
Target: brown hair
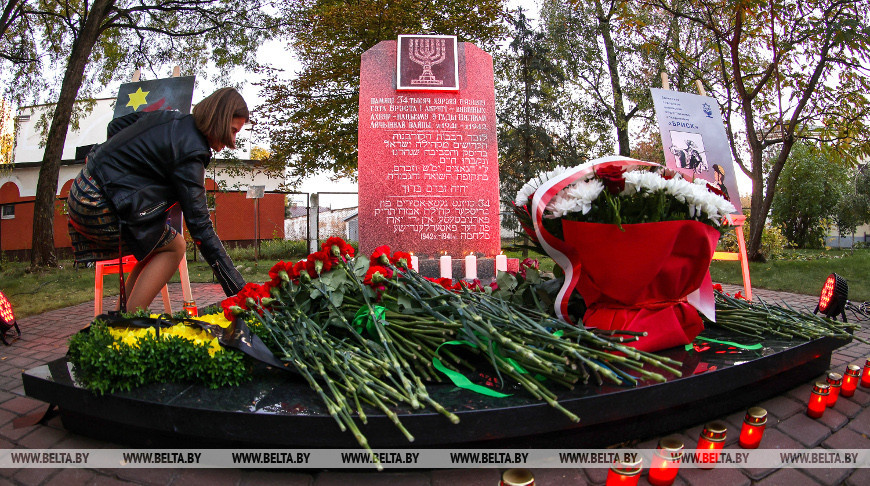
214	115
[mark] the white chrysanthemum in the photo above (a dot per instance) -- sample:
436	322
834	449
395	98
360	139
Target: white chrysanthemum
530	187
643	181
584	192
560	206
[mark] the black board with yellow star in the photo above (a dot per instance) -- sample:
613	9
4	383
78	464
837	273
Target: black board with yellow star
156	94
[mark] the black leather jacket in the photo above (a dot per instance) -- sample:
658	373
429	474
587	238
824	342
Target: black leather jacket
150	162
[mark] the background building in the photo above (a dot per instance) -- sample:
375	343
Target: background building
232	212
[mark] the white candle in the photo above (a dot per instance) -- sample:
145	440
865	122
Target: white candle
500	263
415	263
470	267
446	267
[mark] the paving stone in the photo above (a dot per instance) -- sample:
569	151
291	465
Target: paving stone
861	397
277	478
828	476
33	475
73	441
861	423
786	477
772	439
847	407
808	431
71	477
13	434
479	477
6	416
834	419
861	477
546	476
211	477
595	475
714	477
111	480
371	479
847	439
155	476
43	438
781	407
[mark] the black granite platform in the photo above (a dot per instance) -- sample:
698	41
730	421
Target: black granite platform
278	409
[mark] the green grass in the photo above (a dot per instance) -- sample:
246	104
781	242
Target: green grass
801	271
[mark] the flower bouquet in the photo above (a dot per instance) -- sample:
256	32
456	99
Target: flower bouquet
634	239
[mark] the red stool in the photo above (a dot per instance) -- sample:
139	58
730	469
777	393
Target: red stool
108	267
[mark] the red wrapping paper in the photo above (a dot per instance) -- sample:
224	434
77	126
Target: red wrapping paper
638	279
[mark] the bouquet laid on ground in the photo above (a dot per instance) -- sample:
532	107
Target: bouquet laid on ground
371	331
634	239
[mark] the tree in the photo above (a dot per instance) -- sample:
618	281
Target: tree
605	48
20	66
7	138
853	210
103	37
810	188
782	71
313	117
527	109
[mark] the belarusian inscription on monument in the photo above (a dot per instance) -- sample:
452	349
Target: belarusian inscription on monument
428	165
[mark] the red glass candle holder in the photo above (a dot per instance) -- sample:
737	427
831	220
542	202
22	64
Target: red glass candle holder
517	477
712	441
865	377
624	473
753	428
665	462
835	381
818	400
190	307
850	380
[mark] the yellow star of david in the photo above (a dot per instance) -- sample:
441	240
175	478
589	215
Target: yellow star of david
137	98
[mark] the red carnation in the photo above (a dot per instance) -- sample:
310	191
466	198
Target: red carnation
612	178
718	287
398	258
275	272
375	277
335	244
318	263
381	255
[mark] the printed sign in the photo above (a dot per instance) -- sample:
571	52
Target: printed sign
156	94
694	141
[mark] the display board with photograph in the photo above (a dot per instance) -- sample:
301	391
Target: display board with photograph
694	140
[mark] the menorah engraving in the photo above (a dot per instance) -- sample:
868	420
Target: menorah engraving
427	53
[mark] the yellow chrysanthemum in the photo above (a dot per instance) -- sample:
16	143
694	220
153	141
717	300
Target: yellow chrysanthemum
215	319
130	337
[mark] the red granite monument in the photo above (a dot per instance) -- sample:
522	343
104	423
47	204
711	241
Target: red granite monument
428	160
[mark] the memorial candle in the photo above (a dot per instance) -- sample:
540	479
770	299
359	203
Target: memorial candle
624	473
470	267
415	263
850	381
500	263
753	428
818	400
835	381
446	267
865	378
665	462
710	443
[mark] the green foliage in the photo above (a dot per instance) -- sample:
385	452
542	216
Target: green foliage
103	364
313	116
528	83
271	250
808	192
773	242
853	209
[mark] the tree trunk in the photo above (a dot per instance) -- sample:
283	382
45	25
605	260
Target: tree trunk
619	117
42	249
